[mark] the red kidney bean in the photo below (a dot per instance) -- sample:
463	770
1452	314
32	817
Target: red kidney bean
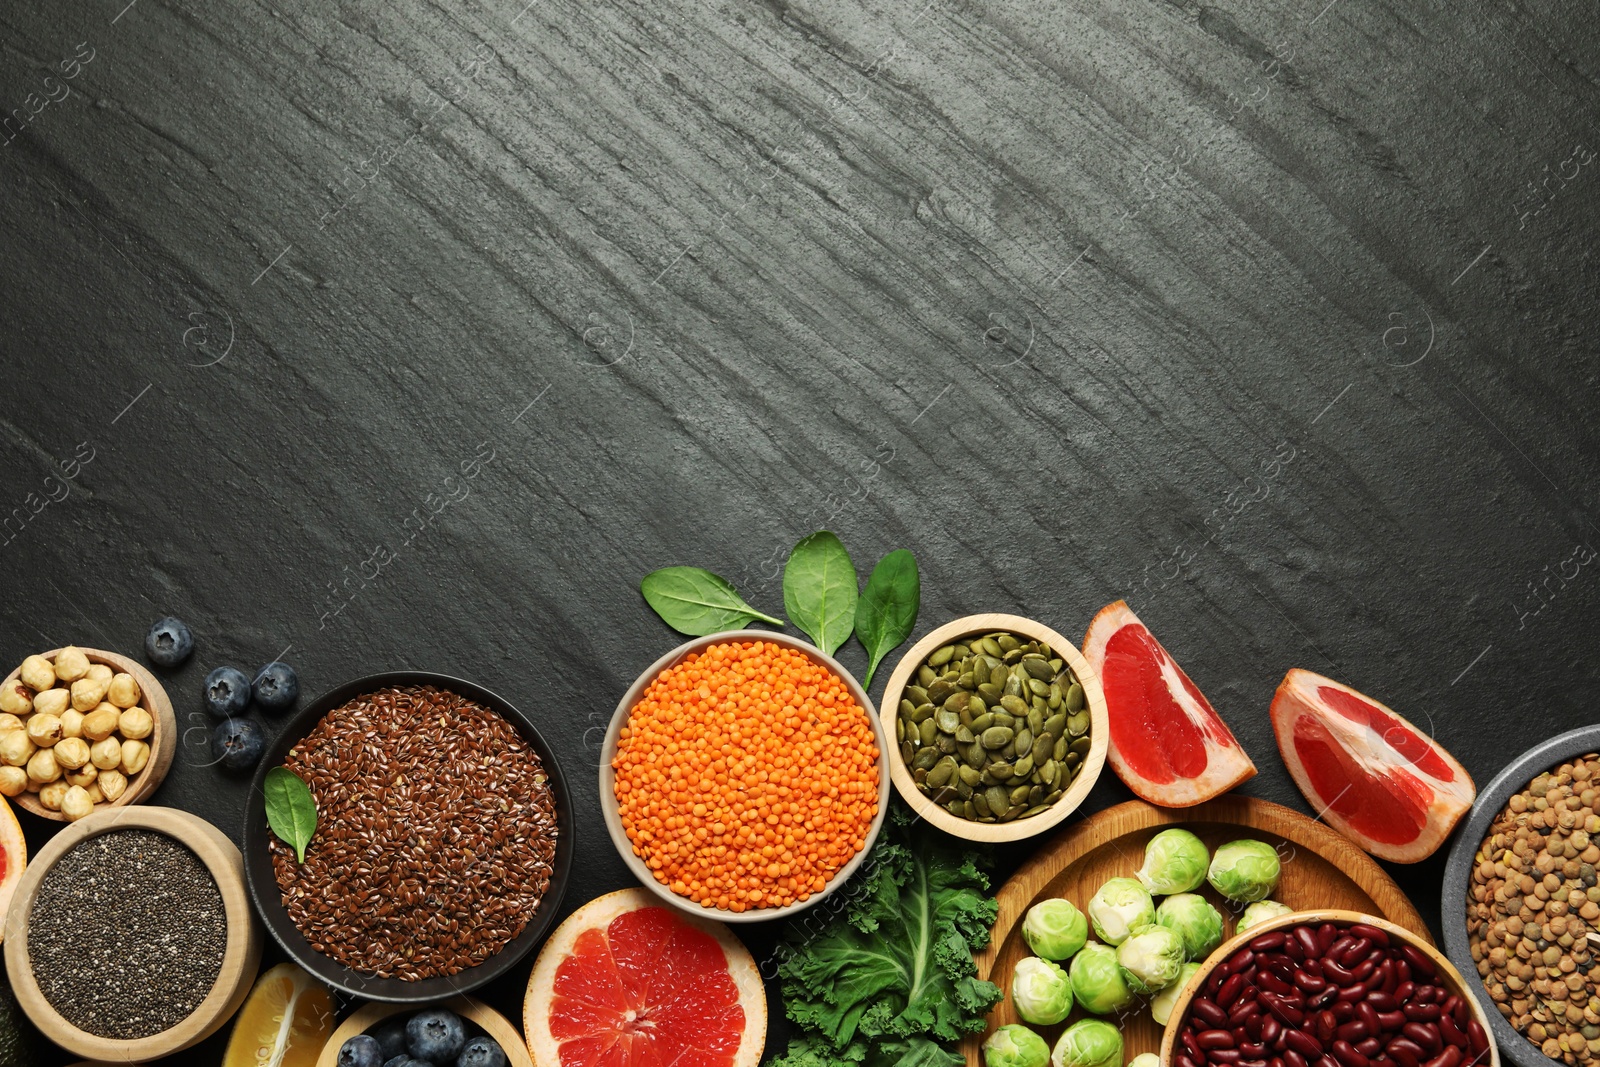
1276	1061
1323	999
1192	1045
1335	973
1241	962
1450	1057
1378	979
1304	1043
1368	1015
1456	1007
1208	1012
1273	983
1359	949
1183	1060
1382	1002
1381	1061
1295	950
1225	1055
1242	1011
1267	942
1307	940
1371	933
1405	1052
1451	1033
1422	1013
1370	1047
1326	934
1252	1050
1363	971
1352	993
1403	969
1252	1027
1403	992
1343	1011
1291	1058
1391	1020
1420	963
1312	967
1253	1063
1391	978
1271	1030
1309	982
1426	1036
1340	943
1346	1054
1352	1031
1214	1039
1327	1060
1230	990
1325	1025
1289	1013
1214	982
1478	1039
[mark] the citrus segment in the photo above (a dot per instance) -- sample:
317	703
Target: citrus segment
1167	742
13	857
628	982
284	1023
1372	775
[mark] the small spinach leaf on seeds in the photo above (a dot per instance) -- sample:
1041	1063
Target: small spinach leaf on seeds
696	602
819	590
291	809
888	608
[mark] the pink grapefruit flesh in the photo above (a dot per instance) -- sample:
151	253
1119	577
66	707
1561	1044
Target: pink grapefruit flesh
1167	742
1372	775
626	981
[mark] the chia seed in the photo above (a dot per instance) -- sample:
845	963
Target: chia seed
127	934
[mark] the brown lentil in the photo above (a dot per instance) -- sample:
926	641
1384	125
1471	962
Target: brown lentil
1532	906
127	934
435	839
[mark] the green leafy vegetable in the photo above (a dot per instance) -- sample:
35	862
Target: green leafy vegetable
291	809
891	974
888	608
819	590
696	602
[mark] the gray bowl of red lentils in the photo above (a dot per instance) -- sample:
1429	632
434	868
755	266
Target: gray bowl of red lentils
1524	873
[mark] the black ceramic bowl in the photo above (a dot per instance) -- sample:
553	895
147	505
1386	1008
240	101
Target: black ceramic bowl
1491	801
269	899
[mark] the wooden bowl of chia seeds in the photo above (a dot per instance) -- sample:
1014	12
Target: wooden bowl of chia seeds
1023	822
131	935
443	841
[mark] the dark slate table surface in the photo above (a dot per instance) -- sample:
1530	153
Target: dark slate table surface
1275	318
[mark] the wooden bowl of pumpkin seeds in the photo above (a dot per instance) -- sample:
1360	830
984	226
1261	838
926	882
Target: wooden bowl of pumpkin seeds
998	727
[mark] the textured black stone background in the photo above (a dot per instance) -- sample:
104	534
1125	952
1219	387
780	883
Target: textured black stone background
1275	318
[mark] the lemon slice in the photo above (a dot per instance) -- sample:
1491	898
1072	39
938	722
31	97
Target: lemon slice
284	1023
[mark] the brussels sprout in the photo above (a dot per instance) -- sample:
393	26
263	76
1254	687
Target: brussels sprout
1088	1043
1261	911
1161	1004
1197	924
1145	1059
1015	1046
1040	991
1055	929
1174	862
1245	870
1119	906
1151	958
1097	981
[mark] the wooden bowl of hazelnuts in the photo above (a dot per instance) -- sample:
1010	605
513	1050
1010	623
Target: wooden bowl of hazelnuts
82	730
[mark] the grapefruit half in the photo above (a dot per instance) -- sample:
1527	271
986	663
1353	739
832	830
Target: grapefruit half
13	858
1167	742
626	981
1376	778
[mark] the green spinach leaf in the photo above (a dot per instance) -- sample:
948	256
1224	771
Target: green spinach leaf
291	809
696	602
819	590
888	608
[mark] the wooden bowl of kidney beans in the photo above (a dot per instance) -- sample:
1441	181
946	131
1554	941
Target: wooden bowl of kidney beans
1327	989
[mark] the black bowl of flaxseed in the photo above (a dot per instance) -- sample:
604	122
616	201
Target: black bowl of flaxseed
443	840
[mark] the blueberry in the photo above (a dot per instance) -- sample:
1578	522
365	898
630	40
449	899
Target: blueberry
435	1035
276	686
227	692
481	1052
237	744
391	1037
169	642
401	1060
360	1051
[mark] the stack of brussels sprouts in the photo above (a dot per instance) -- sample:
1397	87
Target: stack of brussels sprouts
1147	950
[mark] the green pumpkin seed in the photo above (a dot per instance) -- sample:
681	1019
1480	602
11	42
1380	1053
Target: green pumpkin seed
923	712
1015	705
947	720
982	722
942	772
1006	642
962	650
970	775
1038	688
989	647
1048	772
1057	664
1010	749
908	752
956	700
998	796
916	694
1073	759
1078	724
906	707
1023	767
1035	810
990	693
997	737
975	753
1036	721
941	656
926	758
1019	795
1075	697
925	676
998	675
966	681
967	718
1043	746
980	804
1002	718
928	730
1012	686
1024	740
1060	751
919	776
940	691
1038	668
963	790
1040	705
975	703
956	807
1056	725
1001	771
965	735
1081	746
1013	811
945	743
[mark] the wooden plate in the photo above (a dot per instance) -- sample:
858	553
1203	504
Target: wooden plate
492	1022
1321	870
163	740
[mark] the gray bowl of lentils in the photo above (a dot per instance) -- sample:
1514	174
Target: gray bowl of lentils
1523	874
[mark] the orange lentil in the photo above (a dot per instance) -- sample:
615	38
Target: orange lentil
747	776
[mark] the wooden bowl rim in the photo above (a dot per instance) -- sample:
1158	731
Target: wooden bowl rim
241	957
1099	727
365	1017
1341	917
163	746
608	777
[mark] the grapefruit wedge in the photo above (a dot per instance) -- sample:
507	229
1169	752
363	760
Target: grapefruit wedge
13	858
629	982
1375	778
1167	742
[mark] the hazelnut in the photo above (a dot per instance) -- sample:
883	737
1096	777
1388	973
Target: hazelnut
71	753
13	781
52	701
112	784
135	724
33	786
72	723
135	754
87	693
75	803
105	754
15	748
50	796
123	691
37	673
16	698
44	729
95	796
101	673
83	776
9	722
71	664
101	723
42	766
